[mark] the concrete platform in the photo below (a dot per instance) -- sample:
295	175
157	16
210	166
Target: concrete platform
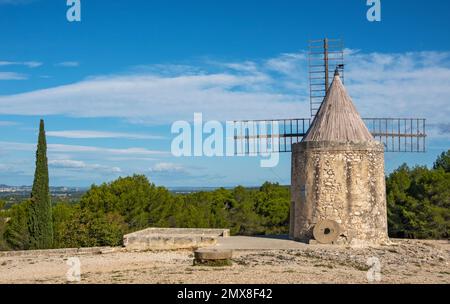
172	238
258	243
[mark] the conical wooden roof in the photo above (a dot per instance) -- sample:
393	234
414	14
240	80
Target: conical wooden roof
337	119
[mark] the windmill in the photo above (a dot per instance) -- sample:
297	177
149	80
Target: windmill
338	183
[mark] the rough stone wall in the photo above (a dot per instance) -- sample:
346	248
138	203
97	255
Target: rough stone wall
344	182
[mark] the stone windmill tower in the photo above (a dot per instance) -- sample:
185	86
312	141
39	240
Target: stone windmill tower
338	192
338	182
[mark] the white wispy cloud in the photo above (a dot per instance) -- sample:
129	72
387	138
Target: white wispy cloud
90	149
155	99
288	64
167	70
61	148
246	66
405	85
68	64
15	2
167	168
81	165
89	134
444	128
67	163
413	84
12	76
30	64
9	169
6	123
174	173
129	158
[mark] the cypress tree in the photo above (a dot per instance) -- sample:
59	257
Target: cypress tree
40	222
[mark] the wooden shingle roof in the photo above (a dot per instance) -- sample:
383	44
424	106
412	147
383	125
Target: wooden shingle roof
337	119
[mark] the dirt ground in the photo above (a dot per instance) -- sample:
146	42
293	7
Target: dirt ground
405	261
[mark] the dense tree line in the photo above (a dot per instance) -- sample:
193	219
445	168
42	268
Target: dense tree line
419	200
418	207
3	244
107	212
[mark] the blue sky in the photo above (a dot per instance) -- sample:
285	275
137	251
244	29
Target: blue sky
110	86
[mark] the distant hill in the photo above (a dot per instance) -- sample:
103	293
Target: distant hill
182	190
55	189
15	194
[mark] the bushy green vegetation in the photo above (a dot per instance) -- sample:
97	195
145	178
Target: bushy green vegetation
3	245
418	207
419	201
16	233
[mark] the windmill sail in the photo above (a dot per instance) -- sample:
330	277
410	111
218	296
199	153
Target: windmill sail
255	137
326	56
397	134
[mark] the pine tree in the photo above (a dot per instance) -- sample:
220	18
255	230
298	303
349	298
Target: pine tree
40	222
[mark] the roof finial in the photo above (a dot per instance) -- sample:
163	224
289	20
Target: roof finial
336	72
338	67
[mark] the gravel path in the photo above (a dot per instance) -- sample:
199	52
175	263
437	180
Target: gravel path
404	262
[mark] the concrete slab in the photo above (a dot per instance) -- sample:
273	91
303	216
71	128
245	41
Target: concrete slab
172	238
257	243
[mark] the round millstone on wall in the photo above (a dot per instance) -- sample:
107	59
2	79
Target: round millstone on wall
326	232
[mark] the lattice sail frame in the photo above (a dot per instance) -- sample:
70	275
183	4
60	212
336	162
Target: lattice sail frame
399	134
258	137
324	57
